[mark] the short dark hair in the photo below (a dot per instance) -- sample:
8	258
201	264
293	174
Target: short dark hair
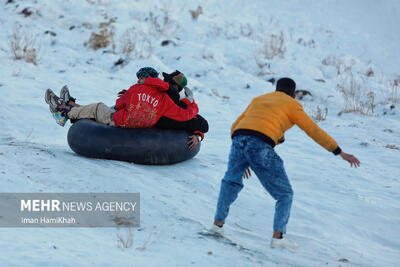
286	85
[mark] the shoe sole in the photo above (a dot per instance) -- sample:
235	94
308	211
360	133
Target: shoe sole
65	92
48	98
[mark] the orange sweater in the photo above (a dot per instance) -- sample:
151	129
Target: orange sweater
274	113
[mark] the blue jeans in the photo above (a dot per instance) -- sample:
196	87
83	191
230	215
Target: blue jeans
251	151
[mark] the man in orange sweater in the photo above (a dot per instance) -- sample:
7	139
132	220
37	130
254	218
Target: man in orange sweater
254	134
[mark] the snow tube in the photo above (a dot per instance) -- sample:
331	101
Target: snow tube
143	146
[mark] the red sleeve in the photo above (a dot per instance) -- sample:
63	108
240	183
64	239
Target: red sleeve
121	101
179	114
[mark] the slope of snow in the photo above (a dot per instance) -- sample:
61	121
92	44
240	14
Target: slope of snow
340	216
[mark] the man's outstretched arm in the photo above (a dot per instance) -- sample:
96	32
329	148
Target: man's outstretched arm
320	136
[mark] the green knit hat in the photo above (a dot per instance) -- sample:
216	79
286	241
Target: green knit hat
180	80
176	77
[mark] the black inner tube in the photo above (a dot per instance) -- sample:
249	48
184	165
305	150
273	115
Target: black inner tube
147	146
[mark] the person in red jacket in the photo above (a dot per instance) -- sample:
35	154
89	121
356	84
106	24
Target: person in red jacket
139	107
143	104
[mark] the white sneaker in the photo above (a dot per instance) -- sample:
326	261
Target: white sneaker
217	230
283	243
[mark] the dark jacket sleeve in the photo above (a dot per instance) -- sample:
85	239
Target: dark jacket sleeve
174	95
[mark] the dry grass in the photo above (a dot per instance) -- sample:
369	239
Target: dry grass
162	24
106	24
370	72
23	46
246	30
319	114
125	240
393	94
342	65
311	43
102	39
274	46
357	99
196	13
147	241
135	44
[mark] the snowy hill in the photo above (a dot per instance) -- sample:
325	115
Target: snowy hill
345	53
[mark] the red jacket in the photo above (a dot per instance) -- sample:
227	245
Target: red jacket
143	105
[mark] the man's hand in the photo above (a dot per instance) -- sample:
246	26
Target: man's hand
354	162
247	173
193	141
120	93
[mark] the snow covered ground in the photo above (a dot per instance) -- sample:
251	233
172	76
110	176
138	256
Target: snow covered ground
340	216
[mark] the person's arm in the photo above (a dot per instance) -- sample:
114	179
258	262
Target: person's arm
320	136
301	119
174	95
200	126
177	113
182	104
122	100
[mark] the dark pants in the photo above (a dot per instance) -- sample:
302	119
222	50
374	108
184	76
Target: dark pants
196	124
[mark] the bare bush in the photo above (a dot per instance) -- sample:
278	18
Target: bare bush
274	46
106	23
348	64
147	241
229	30
311	43
102	39
356	98
393	94
342	65
125	240
163	24
23	46
196	13
319	114
135	44
329	60
264	67
369	104
246	30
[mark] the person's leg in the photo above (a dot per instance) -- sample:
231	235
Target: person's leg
73	104
232	182
268	167
97	111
